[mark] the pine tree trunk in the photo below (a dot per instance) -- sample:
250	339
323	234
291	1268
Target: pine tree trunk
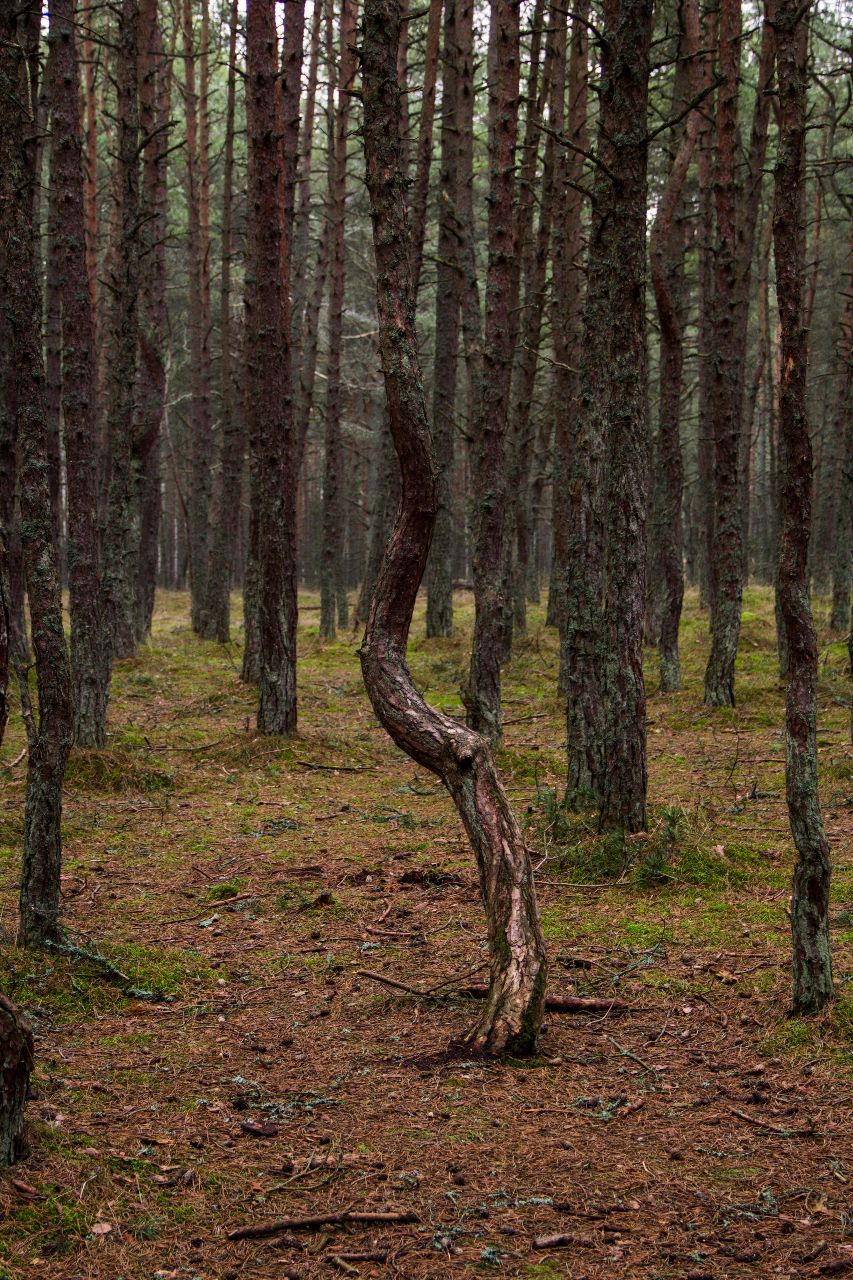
198	247
16	1063
482	694
269	401
439	574
423	163
331	576
217	612
667	250
842	571
154	101
120	541
605	596
90	666
20	299
566	309
812	965
512	1015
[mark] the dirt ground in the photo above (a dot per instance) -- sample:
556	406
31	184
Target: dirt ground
254	1072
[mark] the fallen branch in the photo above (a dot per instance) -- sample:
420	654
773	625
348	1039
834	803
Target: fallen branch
262	1230
338	768
781	1129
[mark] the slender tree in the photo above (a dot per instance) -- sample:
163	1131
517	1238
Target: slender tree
120	546
812	965
448	283
89	659
460	757
268	401
667	251
217	611
333	606
482	693
20	299
154	101
198	250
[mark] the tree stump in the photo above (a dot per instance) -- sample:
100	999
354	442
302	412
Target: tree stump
16	1060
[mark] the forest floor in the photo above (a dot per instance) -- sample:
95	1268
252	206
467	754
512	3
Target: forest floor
702	1133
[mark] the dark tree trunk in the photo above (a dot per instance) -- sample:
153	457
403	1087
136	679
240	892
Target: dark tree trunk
20	298
705	325
812	965
512	1015
198	247
217	613
120	537
332	586
606	577
53	353
153	329
16	1063
423	160
532	243
482	694
667	249
268	378
566	308
448	282
90	666
842	570
385	491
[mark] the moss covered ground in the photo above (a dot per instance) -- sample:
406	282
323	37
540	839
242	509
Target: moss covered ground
246	884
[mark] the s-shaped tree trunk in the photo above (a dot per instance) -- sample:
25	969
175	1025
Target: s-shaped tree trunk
460	757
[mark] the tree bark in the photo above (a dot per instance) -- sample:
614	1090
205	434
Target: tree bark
513	1010
566	311
448	282
198	248
843	558
482	693
667	248
812	964
269	400
120	536
217	619
605	590
154	101
16	1063
423	161
332	587
20	298
89	666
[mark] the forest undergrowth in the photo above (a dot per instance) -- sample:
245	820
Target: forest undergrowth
235	1062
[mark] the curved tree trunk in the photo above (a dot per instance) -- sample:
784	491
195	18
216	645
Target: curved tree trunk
460	757
812	964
